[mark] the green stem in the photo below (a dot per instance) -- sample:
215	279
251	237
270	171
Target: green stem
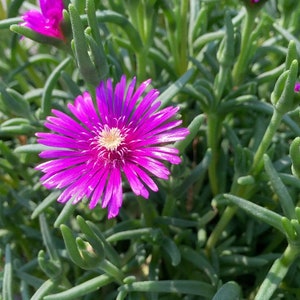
169	206
148	211
142	24
227	215
213	133
2	11
141	58
81	289
182	38
30	69
239	69
174	50
222	80
112	270
177	35
242	191
277	272
265	143
92	90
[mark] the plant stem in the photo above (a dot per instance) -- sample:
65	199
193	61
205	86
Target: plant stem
213	133
242	191
224	220
169	206
266	141
141	58
239	69
182	36
148	211
112	270
277	272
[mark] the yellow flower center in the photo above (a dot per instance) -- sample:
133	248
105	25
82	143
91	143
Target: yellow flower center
110	138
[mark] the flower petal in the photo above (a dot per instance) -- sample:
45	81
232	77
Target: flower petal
135	184
113	193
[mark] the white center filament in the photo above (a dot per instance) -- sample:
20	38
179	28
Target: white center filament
110	138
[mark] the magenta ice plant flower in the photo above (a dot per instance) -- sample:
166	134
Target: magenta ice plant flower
47	22
297	87
124	135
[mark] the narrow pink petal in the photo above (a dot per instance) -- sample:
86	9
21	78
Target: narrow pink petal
148	99
54	153
84	110
81	188
55	140
52	8
145	105
66	121
84	185
138	93
157	128
113	194
64	131
159	153
145	177
98	189
110	98
102	101
172	136
33	19
128	97
153	166
146	118
135	184
45	23
61	179
161	117
66	195
61	163
119	96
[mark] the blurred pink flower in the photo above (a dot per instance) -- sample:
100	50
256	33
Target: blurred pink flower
297	87
47	22
124	135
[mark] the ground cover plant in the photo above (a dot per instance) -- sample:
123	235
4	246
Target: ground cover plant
150	149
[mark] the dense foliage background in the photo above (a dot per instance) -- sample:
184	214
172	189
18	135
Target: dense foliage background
226	223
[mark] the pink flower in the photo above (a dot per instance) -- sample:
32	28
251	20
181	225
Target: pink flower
125	135
297	87
48	21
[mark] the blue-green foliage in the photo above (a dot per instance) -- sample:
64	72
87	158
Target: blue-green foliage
226	224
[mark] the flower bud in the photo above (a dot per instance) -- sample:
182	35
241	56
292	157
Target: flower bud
295	156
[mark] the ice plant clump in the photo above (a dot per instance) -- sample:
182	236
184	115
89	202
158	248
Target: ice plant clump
47	22
126	134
